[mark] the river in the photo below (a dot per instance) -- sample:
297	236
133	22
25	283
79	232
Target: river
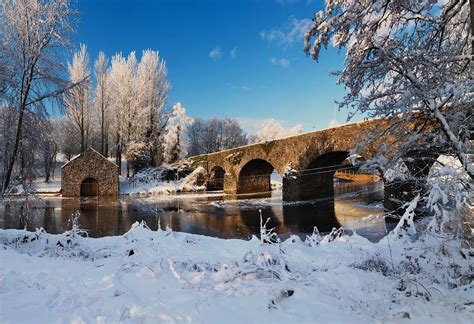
356	207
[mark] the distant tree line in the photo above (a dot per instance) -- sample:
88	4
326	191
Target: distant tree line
214	135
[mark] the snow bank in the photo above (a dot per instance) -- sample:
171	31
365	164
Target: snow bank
152	181
151	276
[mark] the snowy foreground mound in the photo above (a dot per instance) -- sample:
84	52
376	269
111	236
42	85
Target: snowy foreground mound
167	276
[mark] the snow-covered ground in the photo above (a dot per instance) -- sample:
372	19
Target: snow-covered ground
149	182
154	276
52	187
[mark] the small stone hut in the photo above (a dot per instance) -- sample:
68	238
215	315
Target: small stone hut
89	174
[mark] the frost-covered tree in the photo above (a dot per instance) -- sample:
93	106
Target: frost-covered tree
123	100
411	59
77	100
173	149
32	36
134	99
102	100
214	135
152	93
273	129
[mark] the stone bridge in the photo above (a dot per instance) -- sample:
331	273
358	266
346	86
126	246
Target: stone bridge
306	162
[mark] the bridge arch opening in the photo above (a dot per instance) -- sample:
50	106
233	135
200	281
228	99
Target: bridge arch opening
328	162
321	172
317	179
216	179
255	177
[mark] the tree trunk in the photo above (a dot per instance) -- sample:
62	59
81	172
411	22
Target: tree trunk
118	153
471	2
47	167
106	152
102	134
82	131
52	161
11	163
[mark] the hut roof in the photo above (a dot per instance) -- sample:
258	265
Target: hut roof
89	149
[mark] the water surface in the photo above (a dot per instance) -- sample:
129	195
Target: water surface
357	207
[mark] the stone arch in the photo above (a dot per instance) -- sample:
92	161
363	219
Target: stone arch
327	161
255	177
316	179
216	178
90	187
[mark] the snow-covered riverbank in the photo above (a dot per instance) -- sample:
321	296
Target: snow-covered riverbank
146	182
149	276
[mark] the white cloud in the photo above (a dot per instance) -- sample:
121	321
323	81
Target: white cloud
250	124
242	87
283	62
233	52
215	53
272	34
274	129
291	32
253	126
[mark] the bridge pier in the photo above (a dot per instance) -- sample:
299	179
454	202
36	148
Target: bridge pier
230	184
301	186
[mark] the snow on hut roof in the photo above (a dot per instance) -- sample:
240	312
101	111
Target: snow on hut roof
88	149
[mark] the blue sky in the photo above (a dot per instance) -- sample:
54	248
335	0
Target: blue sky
241	59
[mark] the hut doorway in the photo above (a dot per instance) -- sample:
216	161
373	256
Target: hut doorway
90	187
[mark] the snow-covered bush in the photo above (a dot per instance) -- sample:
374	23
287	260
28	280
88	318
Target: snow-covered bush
196	180
138	155
267	235
448	199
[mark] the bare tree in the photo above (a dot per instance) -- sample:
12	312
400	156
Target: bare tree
68	145
49	148
33	33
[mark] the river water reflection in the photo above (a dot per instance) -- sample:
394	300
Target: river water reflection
356	208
